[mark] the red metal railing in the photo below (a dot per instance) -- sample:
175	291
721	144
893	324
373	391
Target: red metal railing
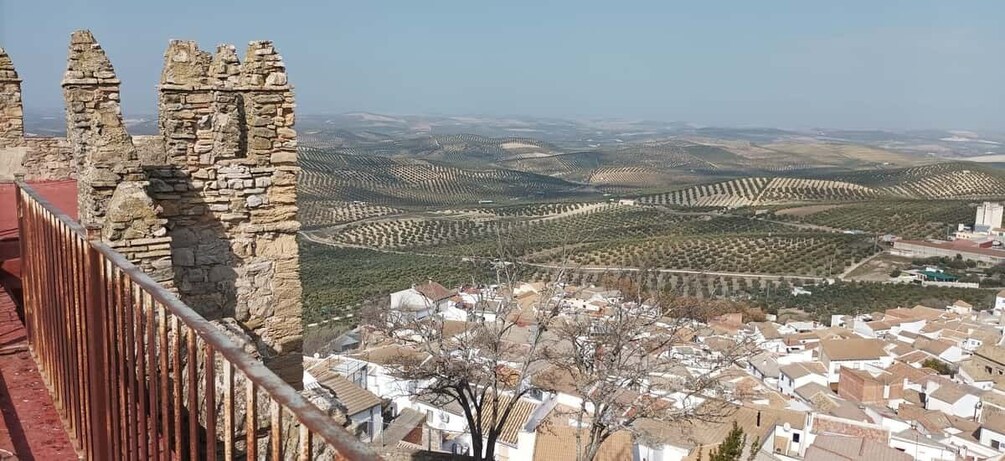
136	374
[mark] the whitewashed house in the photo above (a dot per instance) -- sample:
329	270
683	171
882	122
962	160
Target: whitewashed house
362	407
992	432
420	301
857	353
873	329
446	419
941	349
952	398
516	441
796	375
764	367
960	307
380	379
767	336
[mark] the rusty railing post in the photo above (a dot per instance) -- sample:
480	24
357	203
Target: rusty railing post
25	264
83	339
97	366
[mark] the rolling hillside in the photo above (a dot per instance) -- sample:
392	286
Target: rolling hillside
411	182
937	182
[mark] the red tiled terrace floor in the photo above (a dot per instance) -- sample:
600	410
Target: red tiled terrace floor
30	428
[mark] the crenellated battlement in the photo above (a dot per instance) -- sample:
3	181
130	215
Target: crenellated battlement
11	111
228	188
212	216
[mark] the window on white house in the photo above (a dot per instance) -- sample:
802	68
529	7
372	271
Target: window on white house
795	437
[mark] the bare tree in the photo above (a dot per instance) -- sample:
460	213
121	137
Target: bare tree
627	364
483	363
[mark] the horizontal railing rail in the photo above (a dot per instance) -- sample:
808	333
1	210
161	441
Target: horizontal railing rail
137	374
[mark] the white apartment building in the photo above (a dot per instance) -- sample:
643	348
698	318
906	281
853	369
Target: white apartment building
989	216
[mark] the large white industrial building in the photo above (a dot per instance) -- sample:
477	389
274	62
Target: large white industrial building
989	216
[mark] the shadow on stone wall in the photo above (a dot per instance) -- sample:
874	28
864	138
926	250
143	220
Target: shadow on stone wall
216	272
204	261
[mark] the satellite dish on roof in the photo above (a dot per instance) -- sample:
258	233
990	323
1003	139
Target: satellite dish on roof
786	427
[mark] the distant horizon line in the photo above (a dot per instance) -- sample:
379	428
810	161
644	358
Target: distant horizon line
54	113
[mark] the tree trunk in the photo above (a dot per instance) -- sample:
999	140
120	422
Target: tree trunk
490	448
476	446
593	446
579	431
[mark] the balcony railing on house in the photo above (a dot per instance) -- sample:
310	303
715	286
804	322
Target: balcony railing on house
137	374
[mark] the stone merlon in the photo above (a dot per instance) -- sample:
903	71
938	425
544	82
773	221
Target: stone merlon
11	110
185	65
7	71
225	69
263	67
87	64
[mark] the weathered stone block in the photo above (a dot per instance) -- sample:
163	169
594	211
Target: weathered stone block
183	257
283	157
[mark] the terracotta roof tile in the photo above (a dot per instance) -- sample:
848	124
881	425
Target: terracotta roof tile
834	425
798	369
355	399
841	448
434	291
852	349
518	417
951	392
558	443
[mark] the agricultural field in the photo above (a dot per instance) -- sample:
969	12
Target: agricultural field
337	279
396	182
763	191
315	213
394	206
622	236
939	181
415	233
810	254
538	210
840	154
910	219
729	194
786	190
951	181
467	237
849	298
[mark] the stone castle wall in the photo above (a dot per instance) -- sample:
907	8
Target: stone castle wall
228	190
208	207
48	159
40	158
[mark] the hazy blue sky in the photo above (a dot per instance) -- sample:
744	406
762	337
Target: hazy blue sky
799	63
